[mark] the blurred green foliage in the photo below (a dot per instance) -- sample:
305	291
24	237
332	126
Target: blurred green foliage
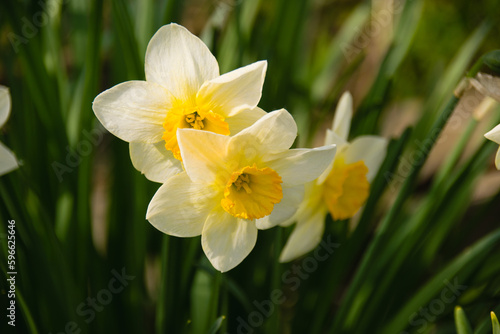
80	206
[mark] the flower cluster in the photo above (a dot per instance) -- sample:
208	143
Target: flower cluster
226	166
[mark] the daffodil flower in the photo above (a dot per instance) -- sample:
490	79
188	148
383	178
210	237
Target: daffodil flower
234	185
494	135
342	188
488	85
183	89
8	161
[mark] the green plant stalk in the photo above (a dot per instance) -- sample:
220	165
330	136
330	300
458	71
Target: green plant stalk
485	326
495	324
470	255
22	304
224	307
274	320
126	36
461	322
173	11
42	240
164	297
214	300
83	247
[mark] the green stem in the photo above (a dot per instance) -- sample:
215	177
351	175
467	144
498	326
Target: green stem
274	321
162	306
214	300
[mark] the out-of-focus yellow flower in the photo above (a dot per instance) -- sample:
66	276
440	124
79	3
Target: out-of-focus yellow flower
494	135
233	186
8	161
342	188
183	89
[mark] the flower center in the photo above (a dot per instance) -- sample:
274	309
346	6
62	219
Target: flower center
251	192
195	121
346	188
184	117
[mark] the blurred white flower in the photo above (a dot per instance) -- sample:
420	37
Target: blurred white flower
494	135
342	188
487	85
8	161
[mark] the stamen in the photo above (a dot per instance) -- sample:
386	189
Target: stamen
242	182
195	120
181	116
247	188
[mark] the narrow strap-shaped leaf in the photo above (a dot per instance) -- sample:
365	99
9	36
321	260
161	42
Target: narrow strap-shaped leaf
435	285
495	324
461	322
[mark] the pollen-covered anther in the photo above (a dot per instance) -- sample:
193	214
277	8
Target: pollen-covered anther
243	182
195	120
190	117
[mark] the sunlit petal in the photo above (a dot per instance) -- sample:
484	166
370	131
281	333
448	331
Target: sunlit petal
133	111
154	161
227	240
284	210
180	207
179	61
8	161
299	166
234	91
5	104
343	115
370	149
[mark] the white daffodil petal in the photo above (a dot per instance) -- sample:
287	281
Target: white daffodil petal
179	61
8	161
488	85
154	161
180	207
203	154
284	210
133	111
5	103
299	166
244	119
370	149
331	138
275	132
313	201
233	91
494	134
497	159
227	240
343	115
305	237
